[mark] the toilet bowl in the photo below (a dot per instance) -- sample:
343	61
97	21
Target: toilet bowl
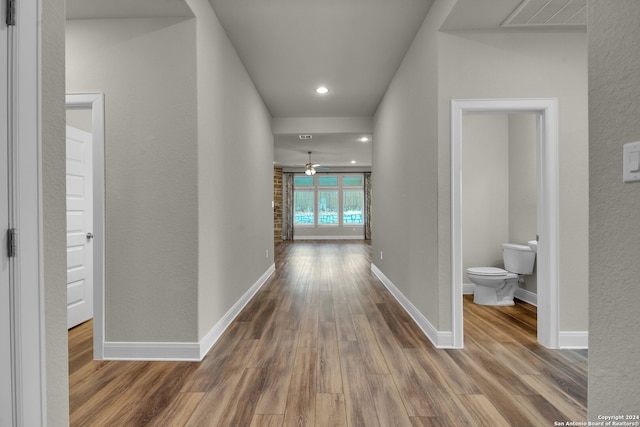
496	286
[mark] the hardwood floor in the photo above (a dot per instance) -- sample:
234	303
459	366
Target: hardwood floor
324	344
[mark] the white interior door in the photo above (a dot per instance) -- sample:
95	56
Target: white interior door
79	227
6	399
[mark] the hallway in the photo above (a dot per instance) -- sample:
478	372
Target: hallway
324	343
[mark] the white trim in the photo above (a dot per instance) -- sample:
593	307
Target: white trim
526	296
184	351
522	294
95	102
29	326
547	205
440	339
354	237
216	332
156	351
573	339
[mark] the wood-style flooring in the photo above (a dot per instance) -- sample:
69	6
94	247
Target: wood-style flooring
322	344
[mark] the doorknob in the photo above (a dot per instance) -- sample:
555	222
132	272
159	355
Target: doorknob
89	236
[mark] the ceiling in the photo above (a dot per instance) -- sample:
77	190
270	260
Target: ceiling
327	149
290	47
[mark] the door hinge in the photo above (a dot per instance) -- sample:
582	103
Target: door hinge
11	242
11	13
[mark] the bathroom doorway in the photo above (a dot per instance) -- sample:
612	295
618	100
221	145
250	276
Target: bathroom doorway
499	192
544	112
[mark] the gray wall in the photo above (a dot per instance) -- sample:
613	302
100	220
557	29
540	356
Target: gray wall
147	70
614	112
235	179
80	119
188	233
405	173
54	213
531	65
411	134
523	185
485	190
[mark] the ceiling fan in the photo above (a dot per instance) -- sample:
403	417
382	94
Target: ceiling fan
310	168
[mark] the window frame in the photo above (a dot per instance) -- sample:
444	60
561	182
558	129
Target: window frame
340	189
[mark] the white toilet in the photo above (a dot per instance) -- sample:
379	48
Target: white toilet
495	286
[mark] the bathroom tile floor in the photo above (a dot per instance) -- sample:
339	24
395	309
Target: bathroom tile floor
324	343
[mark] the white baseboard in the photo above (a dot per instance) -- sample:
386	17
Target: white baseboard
573	339
467	288
183	351
441	339
358	237
521	294
216	332
526	296
180	351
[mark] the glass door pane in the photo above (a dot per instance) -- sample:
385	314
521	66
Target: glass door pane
328	208
303	208
352	212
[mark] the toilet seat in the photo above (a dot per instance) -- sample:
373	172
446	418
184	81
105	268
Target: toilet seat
487	271
491	272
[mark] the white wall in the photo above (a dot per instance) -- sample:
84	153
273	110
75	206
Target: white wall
235	180
614	112
147	70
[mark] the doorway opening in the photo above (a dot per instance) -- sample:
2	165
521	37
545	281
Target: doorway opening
545	111
94	102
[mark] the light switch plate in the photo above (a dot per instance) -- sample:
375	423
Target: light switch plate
631	162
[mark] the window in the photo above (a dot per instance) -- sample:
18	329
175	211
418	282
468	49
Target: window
329	201
352	207
328	208
303	208
303	181
327	181
352	181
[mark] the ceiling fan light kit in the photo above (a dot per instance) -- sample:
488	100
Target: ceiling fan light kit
310	167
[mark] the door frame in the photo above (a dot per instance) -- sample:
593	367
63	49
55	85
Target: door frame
28	327
95	103
546	111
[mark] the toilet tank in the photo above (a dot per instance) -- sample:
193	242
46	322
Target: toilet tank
518	258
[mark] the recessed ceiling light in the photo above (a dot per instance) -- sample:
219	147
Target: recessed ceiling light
322	90
353	162
364	139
